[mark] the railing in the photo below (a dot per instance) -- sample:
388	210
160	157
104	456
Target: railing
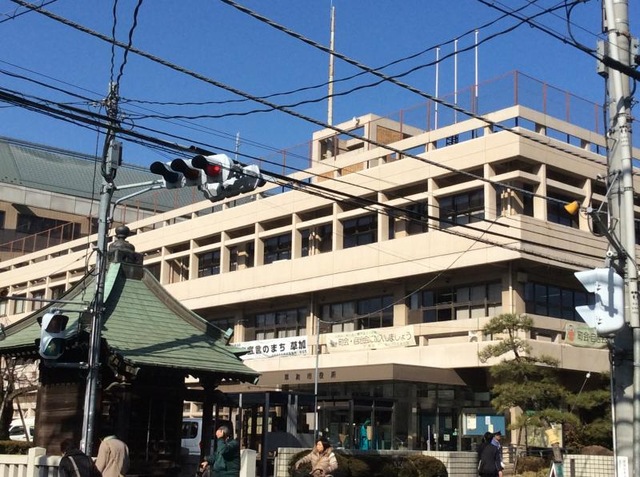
33	464
41	240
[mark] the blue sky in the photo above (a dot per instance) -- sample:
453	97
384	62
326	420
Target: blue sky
219	42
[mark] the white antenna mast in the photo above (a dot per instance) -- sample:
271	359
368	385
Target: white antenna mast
476	76
437	84
331	61
455	80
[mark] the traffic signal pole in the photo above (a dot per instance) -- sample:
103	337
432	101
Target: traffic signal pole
626	352
110	162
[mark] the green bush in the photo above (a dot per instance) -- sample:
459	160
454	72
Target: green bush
15	447
376	465
408	469
530	464
357	466
428	466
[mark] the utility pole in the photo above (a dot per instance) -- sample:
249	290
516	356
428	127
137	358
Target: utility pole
626	349
112	155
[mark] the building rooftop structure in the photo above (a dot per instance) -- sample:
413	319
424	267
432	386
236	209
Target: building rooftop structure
48	196
367	283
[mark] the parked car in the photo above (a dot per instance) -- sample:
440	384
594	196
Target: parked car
17	431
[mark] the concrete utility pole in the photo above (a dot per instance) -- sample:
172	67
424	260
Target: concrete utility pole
626	353
112	155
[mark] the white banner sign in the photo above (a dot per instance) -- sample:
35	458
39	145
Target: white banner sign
291	346
371	339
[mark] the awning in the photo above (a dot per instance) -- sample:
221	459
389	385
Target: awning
374	372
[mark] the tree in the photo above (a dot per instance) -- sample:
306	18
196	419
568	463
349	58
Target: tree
16	380
532	383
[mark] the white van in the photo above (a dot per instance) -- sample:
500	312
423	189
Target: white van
17	431
192	433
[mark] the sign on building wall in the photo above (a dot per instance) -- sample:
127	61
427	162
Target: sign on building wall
379	338
477	424
577	334
290	346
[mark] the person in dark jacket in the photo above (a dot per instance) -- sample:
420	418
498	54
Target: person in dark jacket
74	462
490	464
225	462
486	439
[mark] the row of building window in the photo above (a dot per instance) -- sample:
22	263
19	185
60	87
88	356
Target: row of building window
442	304
459	209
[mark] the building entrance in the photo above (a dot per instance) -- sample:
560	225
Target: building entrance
361	423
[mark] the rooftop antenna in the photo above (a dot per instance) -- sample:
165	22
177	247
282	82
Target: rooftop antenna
437	84
455	79
475	88
237	145
331	62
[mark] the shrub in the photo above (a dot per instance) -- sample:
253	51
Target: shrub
15	447
428	466
596	450
375	465
530	463
357	467
540	473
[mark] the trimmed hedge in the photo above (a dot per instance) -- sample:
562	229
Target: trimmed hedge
375	465
15	447
531	464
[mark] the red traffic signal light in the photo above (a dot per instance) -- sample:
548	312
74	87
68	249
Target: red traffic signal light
217	168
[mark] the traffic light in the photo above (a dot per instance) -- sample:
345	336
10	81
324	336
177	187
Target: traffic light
216	175
606	315
246	179
52	333
192	176
172	179
217	169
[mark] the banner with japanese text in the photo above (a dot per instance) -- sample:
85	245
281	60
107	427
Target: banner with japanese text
396	337
578	334
289	346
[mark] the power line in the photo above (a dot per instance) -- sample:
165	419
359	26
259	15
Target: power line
606	60
16	14
160	142
421	159
384	78
335	81
239	92
327	193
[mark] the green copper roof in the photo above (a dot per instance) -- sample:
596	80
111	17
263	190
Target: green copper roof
145	326
70	173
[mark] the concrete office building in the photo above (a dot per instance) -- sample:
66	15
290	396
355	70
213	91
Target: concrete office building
398	262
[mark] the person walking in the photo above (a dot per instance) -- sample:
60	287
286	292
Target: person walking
113	457
497	442
323	460
225	462
74	462
486	440
490	464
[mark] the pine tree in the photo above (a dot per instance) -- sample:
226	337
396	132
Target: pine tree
533	384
